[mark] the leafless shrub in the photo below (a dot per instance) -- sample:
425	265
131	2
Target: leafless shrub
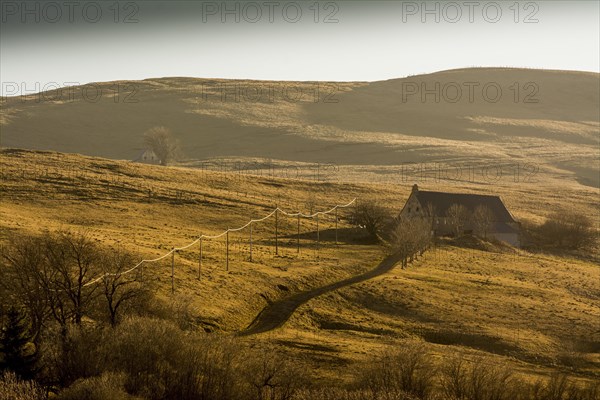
348	394
108	386
181	311
270	375
405	370
71	355
162	362
12	388
477	380
560	387
311	201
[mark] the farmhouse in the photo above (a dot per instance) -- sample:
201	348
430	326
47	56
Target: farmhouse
148	157
442	208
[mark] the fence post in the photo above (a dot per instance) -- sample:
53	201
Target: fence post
318	233
277	230
336	226
227	251
200	260
173	270
250	241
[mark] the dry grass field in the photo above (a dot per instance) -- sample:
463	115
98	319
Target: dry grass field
251	146
537	313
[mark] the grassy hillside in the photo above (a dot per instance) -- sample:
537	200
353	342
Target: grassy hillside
546	118
534	312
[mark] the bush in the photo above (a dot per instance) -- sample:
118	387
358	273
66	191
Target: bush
271	375
348	394
401	371
370	216
163	362
566	230
108	386
478	380
559	387
12	388
71	356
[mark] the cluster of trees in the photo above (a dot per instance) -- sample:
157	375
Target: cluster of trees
411	237
153	358
45	285
564	230
481	219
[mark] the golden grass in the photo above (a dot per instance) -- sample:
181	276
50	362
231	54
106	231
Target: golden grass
537	312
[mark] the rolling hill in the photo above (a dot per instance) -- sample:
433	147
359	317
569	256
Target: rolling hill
479	115
330	305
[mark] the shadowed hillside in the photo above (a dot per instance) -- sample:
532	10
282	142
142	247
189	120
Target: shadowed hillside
485	115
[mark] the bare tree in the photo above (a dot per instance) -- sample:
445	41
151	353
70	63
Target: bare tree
73	261
457	216
370	216
117	288
23	265
161	141
311	201
49	275
409	237
430	213
483	219
271	375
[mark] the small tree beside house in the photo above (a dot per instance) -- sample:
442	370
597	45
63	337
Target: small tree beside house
483	219
162	143
409	238
457	217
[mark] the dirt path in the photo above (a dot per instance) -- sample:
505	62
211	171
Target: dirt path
276	314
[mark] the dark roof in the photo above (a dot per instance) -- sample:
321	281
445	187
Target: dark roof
442	201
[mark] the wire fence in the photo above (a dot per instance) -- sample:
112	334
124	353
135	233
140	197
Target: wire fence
232	246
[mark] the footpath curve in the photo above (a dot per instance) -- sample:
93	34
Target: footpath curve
277	313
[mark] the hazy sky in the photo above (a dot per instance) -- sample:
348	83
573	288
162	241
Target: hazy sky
44	43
